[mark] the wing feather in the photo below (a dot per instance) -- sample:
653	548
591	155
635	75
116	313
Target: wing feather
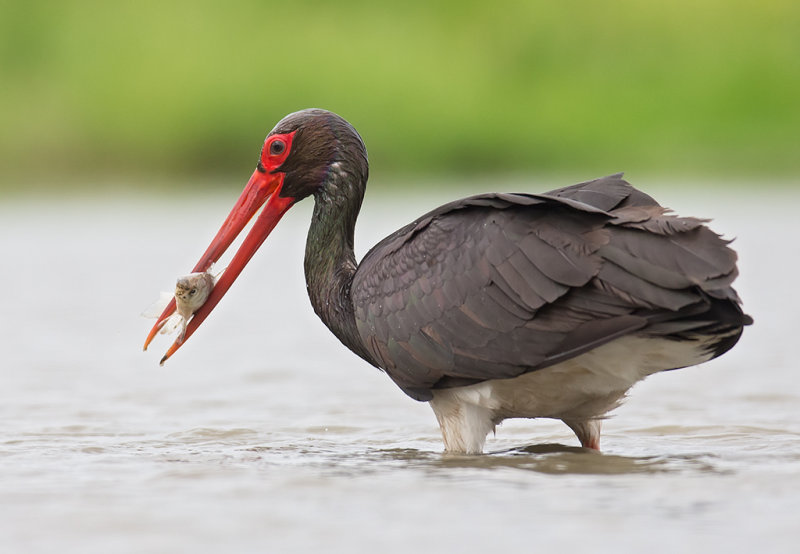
497	285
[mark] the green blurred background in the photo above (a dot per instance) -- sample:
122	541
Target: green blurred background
147	93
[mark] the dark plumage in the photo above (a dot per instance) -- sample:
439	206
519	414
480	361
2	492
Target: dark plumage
497	285
501	305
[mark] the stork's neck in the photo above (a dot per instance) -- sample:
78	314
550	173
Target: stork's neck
330	261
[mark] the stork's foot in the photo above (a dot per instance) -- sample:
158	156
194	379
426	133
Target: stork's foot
588	431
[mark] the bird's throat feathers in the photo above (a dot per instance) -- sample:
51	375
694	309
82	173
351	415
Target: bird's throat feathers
330	262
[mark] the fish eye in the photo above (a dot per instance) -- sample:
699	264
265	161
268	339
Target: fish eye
277	147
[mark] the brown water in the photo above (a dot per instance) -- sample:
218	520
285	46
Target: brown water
263	434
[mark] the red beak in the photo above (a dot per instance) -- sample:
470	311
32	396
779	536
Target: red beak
261	188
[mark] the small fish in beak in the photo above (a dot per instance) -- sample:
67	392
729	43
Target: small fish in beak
191	292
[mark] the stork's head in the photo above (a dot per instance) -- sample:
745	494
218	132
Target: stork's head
307	153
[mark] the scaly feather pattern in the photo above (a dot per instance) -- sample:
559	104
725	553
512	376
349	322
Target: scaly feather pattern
498	285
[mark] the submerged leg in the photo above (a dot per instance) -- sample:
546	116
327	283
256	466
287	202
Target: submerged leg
587	430
464	425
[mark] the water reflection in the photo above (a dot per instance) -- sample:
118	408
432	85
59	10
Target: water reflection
550	458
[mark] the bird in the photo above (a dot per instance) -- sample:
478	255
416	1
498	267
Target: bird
497	305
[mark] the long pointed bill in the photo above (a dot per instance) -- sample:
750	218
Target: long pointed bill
259	188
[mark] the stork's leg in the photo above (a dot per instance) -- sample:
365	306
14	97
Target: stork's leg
464	425
587	430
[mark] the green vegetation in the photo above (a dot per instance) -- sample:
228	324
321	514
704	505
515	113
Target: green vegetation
184	89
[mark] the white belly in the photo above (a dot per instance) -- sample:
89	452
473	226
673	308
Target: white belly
578	390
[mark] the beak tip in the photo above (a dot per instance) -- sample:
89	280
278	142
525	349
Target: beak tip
170	352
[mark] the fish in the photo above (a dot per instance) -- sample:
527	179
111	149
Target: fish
191	292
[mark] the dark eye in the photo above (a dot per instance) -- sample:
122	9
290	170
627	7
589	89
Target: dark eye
277	147
193	292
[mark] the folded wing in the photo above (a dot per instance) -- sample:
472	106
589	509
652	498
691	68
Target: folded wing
497	285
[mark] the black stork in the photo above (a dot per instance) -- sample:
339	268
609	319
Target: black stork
498	305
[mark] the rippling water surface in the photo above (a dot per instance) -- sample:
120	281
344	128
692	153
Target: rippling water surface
263	434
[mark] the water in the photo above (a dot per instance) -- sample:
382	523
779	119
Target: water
263	434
